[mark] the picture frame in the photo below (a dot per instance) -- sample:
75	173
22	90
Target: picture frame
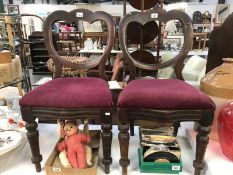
222	12
94	27
13	9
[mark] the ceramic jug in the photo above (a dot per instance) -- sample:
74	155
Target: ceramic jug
217	84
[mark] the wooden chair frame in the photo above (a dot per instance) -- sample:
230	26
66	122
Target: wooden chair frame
29	114
125	115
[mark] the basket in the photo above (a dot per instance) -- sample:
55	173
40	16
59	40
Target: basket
69	71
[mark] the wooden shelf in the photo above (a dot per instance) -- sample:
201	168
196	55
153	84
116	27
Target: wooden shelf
202	25
41	56
38	49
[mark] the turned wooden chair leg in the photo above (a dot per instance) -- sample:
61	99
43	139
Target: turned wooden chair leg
202	141
106	135
131	127
123	137
33	139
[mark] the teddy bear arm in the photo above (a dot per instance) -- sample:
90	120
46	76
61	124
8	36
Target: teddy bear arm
88	139
85	138
61	146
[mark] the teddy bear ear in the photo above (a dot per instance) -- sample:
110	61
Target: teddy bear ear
78	122
60	130
61	122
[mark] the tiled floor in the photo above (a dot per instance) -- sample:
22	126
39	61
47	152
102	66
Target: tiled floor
35	78
18	161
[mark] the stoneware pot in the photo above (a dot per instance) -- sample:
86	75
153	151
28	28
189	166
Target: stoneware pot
217	84
225	130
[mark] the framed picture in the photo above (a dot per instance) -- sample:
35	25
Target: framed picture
222	12
13	9
94	27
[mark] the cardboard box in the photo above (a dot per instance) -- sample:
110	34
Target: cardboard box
5	56
53	166
10	71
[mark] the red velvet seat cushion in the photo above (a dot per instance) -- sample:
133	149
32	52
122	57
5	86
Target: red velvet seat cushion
70	93
163	94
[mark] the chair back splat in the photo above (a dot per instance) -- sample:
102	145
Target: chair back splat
163	16
84	15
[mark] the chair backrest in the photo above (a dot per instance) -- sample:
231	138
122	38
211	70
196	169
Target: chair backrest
160	15
72	16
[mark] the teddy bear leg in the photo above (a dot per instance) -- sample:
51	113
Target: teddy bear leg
73	159
88	155
64	160
81	156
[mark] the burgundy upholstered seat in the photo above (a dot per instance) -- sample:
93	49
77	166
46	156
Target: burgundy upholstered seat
163	94
70	93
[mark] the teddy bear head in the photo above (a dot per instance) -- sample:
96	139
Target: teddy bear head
70	128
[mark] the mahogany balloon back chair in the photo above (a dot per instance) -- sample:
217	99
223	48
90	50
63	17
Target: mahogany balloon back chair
71	98
162	100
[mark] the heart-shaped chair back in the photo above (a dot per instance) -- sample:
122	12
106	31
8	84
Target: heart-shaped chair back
163	16
137	4
72	16
150	31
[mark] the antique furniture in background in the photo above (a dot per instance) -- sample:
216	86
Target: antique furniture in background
200	38
218	48
162	100
71	98
197	17
206	17
39	54
202	27
72	39
99	36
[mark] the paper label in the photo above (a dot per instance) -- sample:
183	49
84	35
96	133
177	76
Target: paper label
154	15
175	168
107	113
56	169
79	14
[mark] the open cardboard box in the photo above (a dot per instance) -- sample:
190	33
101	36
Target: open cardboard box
10	71
53	166
5	57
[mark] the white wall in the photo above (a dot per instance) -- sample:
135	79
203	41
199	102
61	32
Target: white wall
189	8
40	8
206	1
109	8
202	8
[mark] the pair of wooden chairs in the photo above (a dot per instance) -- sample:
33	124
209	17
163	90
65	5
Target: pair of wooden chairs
162	100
